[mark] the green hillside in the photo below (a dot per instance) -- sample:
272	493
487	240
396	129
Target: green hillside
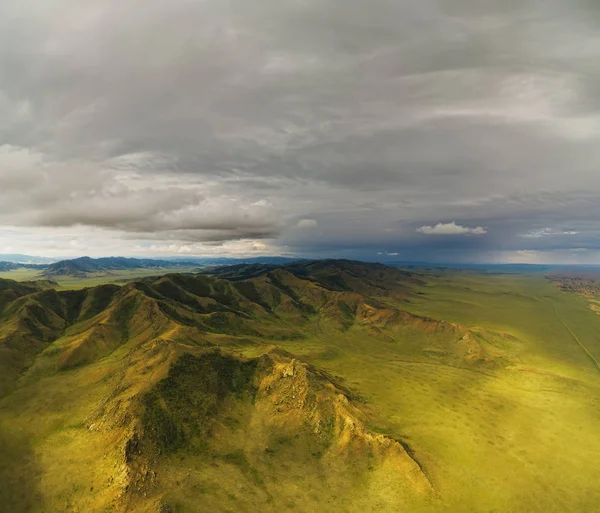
317	386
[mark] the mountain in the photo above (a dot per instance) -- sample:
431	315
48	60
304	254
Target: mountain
85	266
8	266
25	259
333	273
81	267
237	272
12	266
164	379
217	261
313	386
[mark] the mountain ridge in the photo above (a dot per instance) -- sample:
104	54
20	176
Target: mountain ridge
276	304
81	267
195	391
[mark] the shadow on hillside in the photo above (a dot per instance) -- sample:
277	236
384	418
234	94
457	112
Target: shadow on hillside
19	474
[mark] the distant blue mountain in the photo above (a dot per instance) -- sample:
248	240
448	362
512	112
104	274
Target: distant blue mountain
80	267
25	259
270	260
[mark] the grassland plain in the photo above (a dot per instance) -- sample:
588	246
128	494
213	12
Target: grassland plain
327	387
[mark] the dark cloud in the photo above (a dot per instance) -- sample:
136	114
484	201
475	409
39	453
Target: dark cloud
314	127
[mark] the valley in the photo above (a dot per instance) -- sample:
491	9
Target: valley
92	279
312	386
84	272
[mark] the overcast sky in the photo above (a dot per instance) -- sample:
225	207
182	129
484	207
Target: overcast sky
449	130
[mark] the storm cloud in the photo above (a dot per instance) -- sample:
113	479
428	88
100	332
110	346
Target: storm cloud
313	128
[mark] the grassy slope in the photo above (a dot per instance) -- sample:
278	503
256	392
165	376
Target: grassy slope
516	436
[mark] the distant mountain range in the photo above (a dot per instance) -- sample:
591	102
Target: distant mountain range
25	259
9	266
84	266
81	267
272	260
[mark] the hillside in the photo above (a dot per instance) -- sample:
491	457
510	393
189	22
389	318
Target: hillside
313	386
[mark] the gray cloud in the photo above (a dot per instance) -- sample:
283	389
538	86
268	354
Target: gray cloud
188	124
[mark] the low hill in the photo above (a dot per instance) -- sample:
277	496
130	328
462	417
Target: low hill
313	386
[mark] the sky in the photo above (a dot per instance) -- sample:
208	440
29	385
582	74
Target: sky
442	131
